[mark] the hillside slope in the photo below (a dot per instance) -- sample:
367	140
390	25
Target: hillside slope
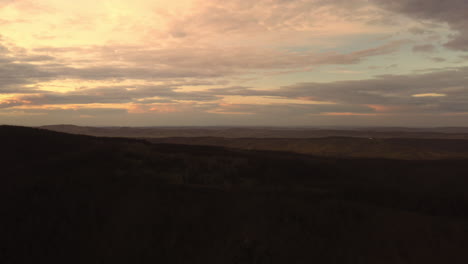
80	199
389	148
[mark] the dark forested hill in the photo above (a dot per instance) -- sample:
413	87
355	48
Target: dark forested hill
388	148
80	199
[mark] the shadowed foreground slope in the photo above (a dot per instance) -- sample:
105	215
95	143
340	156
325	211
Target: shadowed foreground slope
79	199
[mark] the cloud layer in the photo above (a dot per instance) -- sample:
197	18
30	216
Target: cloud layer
452	12
234	62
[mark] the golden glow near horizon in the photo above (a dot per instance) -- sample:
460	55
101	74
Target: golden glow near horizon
307	62
429	95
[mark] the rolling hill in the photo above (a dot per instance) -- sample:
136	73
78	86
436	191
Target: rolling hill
82	199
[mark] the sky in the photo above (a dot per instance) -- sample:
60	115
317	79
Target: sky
234	62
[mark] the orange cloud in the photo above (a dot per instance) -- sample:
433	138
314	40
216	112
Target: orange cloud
158	108
12	101
71	106
386	108
348	114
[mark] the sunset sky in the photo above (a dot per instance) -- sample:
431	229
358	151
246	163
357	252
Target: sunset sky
234	62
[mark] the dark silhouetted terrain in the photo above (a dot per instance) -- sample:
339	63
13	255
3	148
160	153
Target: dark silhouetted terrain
265	132
390	148
81	199
390	143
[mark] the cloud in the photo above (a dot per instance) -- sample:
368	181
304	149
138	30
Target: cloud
142	63
289	110
433	93
438	59
3	49
14	76
391	91
17	69
429	95
36	58
424	48
8	103
419	31
114	95
246	17
4	3
452	12
191	60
